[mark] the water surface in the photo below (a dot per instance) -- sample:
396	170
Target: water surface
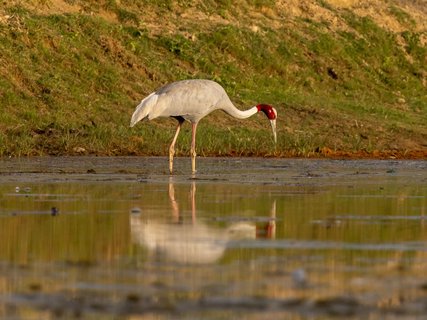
119	238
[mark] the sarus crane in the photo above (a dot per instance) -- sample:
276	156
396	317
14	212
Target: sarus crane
191	100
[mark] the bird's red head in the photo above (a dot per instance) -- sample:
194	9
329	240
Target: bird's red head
268	110
271	114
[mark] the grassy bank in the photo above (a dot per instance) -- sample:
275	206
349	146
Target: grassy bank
344	81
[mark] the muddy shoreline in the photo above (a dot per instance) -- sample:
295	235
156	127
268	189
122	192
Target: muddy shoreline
256	170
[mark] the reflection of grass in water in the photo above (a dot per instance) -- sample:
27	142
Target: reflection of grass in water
79	233
95	233
317	217
93	242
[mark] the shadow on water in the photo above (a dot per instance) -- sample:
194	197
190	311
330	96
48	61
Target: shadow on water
110	238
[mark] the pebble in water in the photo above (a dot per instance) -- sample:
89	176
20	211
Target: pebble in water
135	210
54	211
299	278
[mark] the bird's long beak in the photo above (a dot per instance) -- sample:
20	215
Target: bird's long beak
273	127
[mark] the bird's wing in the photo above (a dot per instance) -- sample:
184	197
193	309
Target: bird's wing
189	99
144	109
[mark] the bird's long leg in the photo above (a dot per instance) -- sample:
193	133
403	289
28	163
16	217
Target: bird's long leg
172	146
193	147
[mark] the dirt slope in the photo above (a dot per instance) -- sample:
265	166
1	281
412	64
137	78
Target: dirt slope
348	76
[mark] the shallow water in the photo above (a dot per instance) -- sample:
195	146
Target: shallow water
118	238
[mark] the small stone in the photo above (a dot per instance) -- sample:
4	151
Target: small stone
79	150
54	211
35	286
299	277
135	210
133	297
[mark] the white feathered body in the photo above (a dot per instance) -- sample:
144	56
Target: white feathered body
188	99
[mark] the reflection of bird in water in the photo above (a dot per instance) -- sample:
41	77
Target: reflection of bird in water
268	230
195	242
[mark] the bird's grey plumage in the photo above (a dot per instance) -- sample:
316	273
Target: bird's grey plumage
189	99
192	100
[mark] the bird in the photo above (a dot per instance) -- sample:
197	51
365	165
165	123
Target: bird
191	100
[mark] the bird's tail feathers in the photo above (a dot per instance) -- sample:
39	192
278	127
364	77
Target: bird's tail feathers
143	109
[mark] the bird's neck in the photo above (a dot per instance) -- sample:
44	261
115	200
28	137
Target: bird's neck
239	114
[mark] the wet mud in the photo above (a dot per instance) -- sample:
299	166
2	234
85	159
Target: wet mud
120	238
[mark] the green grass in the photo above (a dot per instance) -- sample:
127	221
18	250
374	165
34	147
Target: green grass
72	80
